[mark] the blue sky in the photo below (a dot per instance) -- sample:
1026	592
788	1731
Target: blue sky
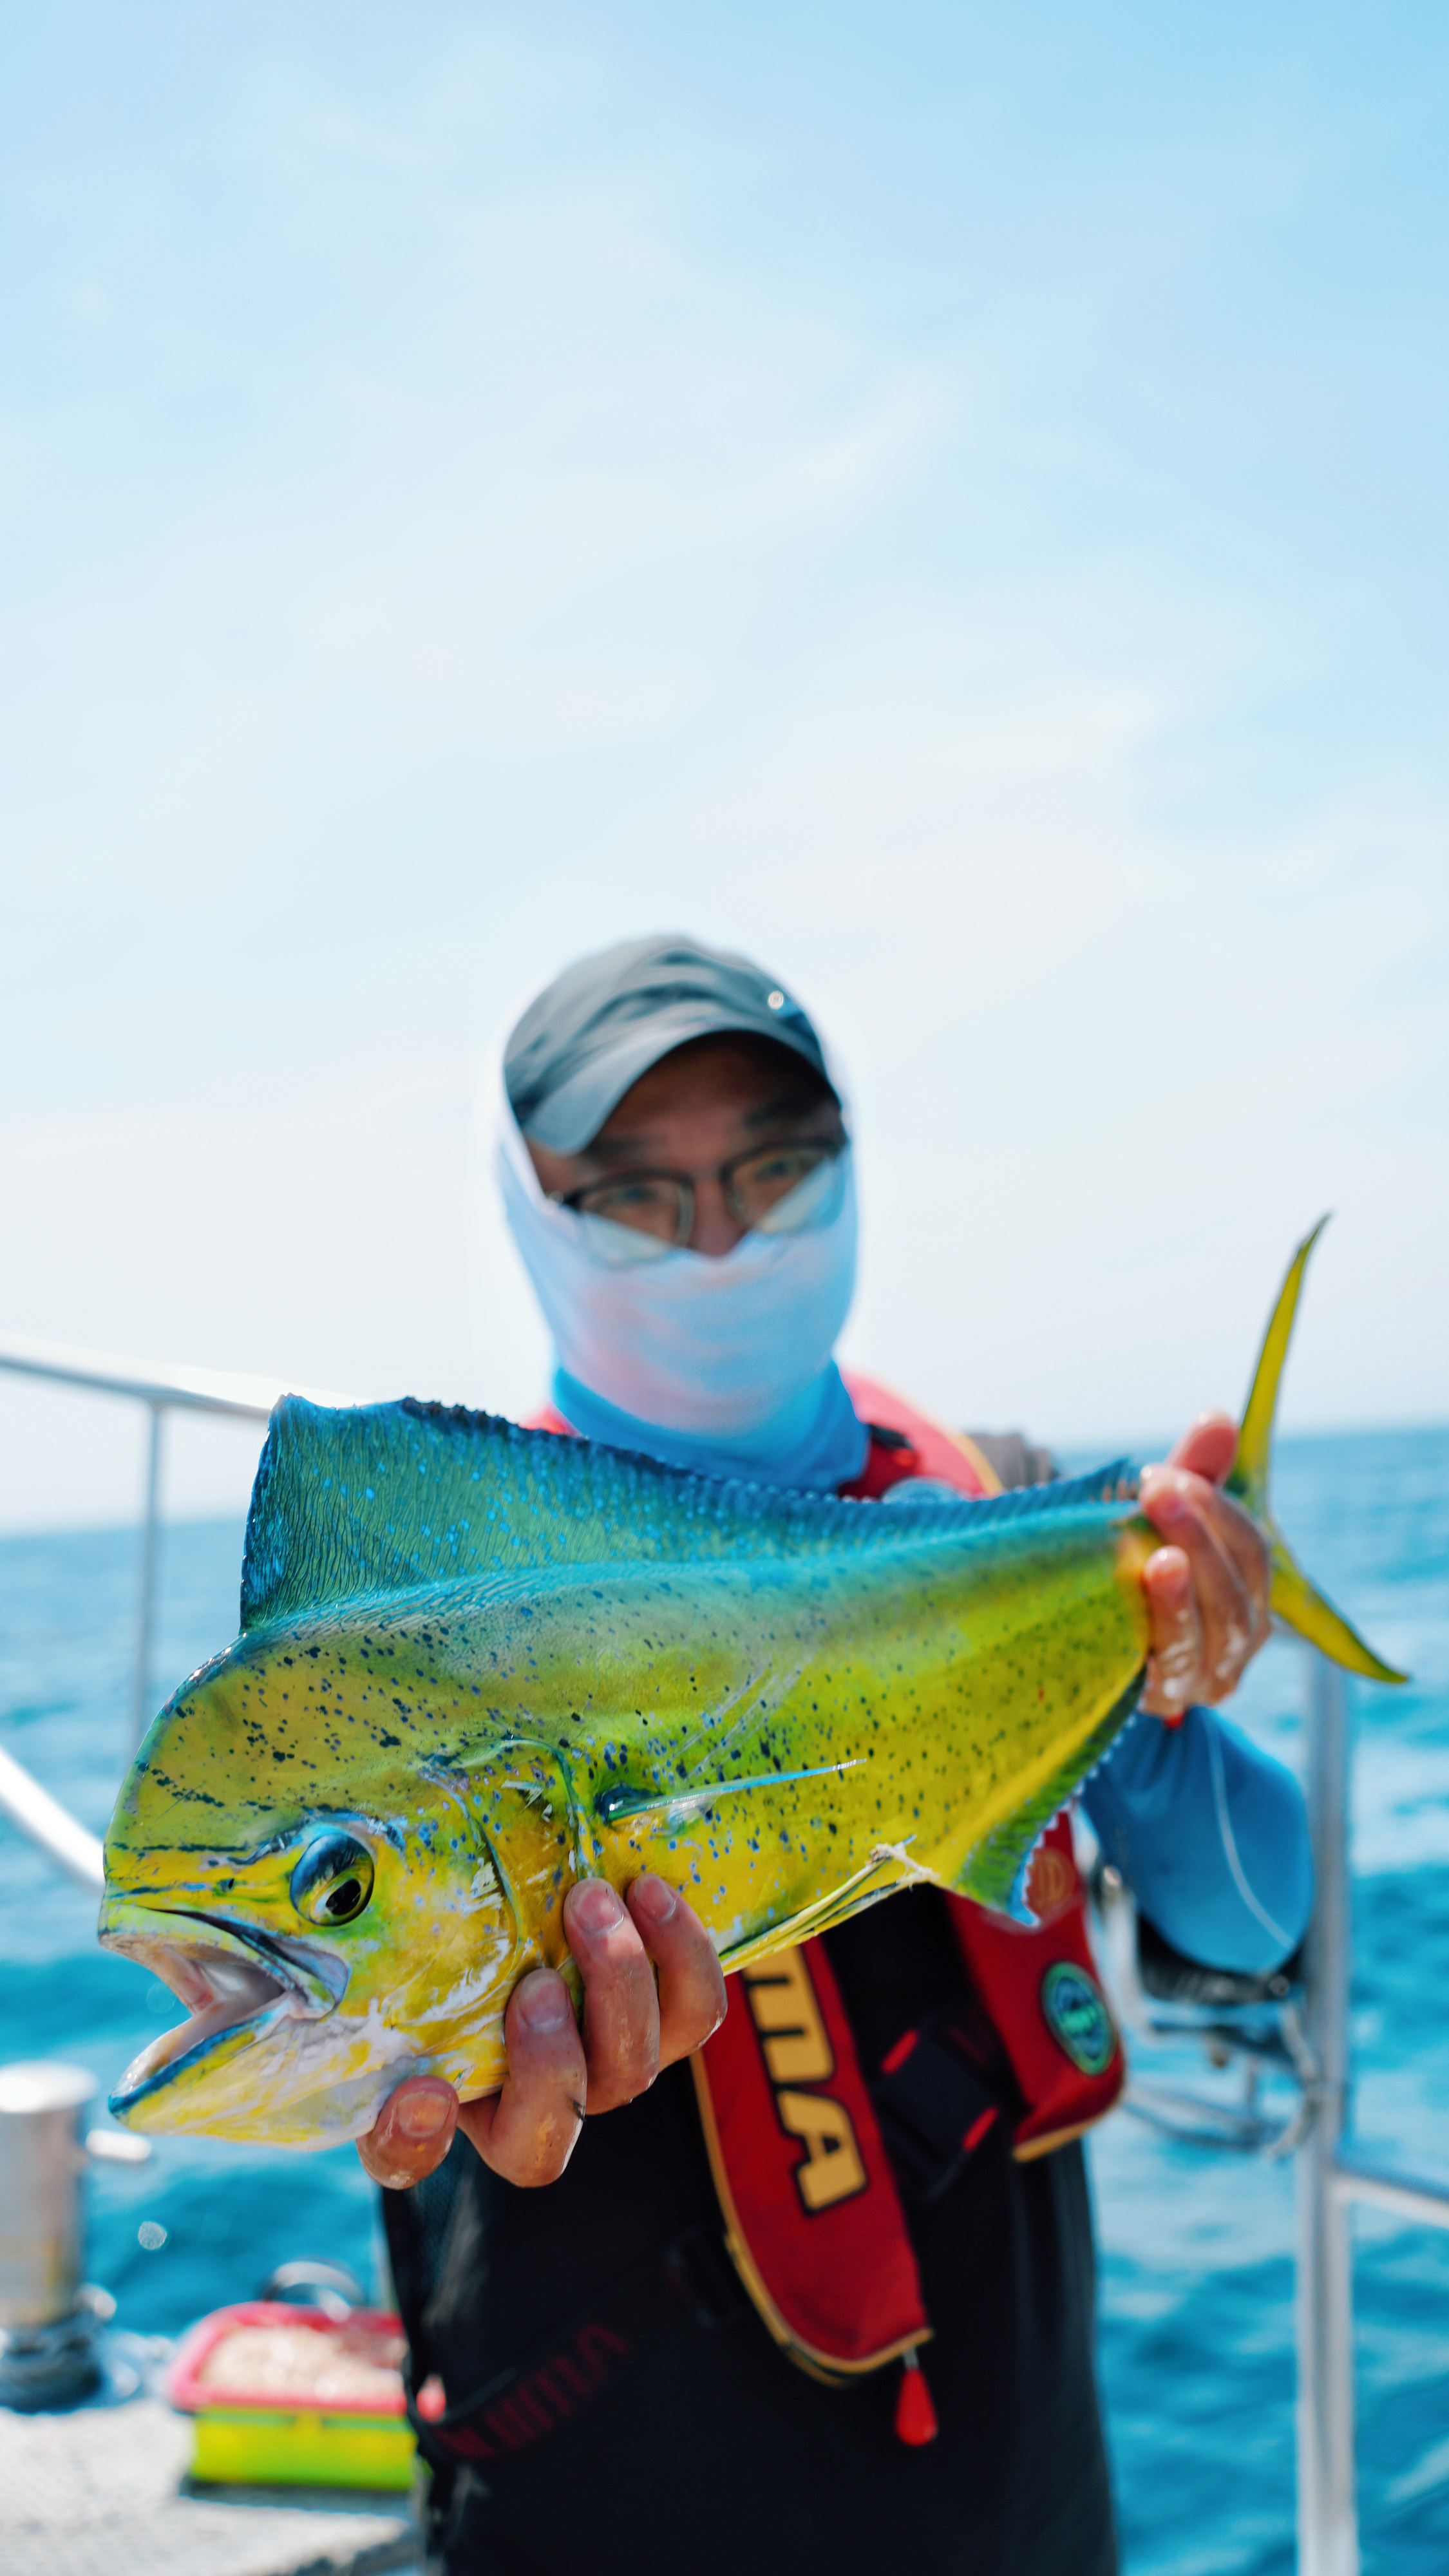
950	500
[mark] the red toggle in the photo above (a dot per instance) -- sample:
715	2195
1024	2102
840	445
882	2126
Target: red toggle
899	2053
915	2415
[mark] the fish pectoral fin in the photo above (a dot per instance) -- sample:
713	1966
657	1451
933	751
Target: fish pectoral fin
615	1805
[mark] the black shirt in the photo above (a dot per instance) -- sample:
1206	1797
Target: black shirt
696	2441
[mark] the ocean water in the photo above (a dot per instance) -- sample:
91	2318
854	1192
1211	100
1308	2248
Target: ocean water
1196	2246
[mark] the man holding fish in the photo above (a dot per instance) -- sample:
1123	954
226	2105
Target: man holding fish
823	2295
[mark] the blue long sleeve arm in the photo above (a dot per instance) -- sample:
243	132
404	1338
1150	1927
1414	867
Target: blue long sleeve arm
1212	1837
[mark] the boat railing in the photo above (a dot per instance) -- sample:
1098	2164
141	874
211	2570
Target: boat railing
1305	2035
1301	2032
162	1391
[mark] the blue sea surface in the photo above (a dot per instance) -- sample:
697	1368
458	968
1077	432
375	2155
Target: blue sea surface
1196	2246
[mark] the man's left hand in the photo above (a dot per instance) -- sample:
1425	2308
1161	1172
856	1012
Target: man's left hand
1207	1588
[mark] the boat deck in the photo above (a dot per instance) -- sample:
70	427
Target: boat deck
103	2487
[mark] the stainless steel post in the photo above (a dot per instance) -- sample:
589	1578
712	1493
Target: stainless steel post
141	1710
1327	2508
41	2163
47	2318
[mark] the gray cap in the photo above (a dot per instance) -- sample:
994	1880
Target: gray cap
605	1020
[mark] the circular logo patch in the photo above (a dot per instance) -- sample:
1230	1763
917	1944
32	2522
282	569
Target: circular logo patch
1077	2018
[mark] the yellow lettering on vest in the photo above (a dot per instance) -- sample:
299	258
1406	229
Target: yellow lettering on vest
832	2169
782	1999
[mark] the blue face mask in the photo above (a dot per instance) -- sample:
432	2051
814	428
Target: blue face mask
721	1365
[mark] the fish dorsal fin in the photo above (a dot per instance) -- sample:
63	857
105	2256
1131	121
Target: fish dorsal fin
390	1497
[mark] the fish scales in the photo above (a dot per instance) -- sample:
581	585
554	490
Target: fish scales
477	1663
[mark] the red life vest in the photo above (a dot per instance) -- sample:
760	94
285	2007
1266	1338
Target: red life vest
812	2210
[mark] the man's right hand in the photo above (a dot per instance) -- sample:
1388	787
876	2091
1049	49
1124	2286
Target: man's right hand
556	2073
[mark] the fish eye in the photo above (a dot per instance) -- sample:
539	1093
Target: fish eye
332	1882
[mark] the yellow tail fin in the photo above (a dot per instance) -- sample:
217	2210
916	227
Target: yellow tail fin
1295	1600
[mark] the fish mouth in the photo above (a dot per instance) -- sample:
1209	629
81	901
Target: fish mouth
236	1983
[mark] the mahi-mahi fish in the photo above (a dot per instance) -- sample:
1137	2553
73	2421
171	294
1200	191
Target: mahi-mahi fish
477	1663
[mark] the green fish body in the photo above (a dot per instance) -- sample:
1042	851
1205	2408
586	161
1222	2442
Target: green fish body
477	1663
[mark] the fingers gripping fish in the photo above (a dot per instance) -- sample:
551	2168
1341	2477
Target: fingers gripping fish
477	1663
